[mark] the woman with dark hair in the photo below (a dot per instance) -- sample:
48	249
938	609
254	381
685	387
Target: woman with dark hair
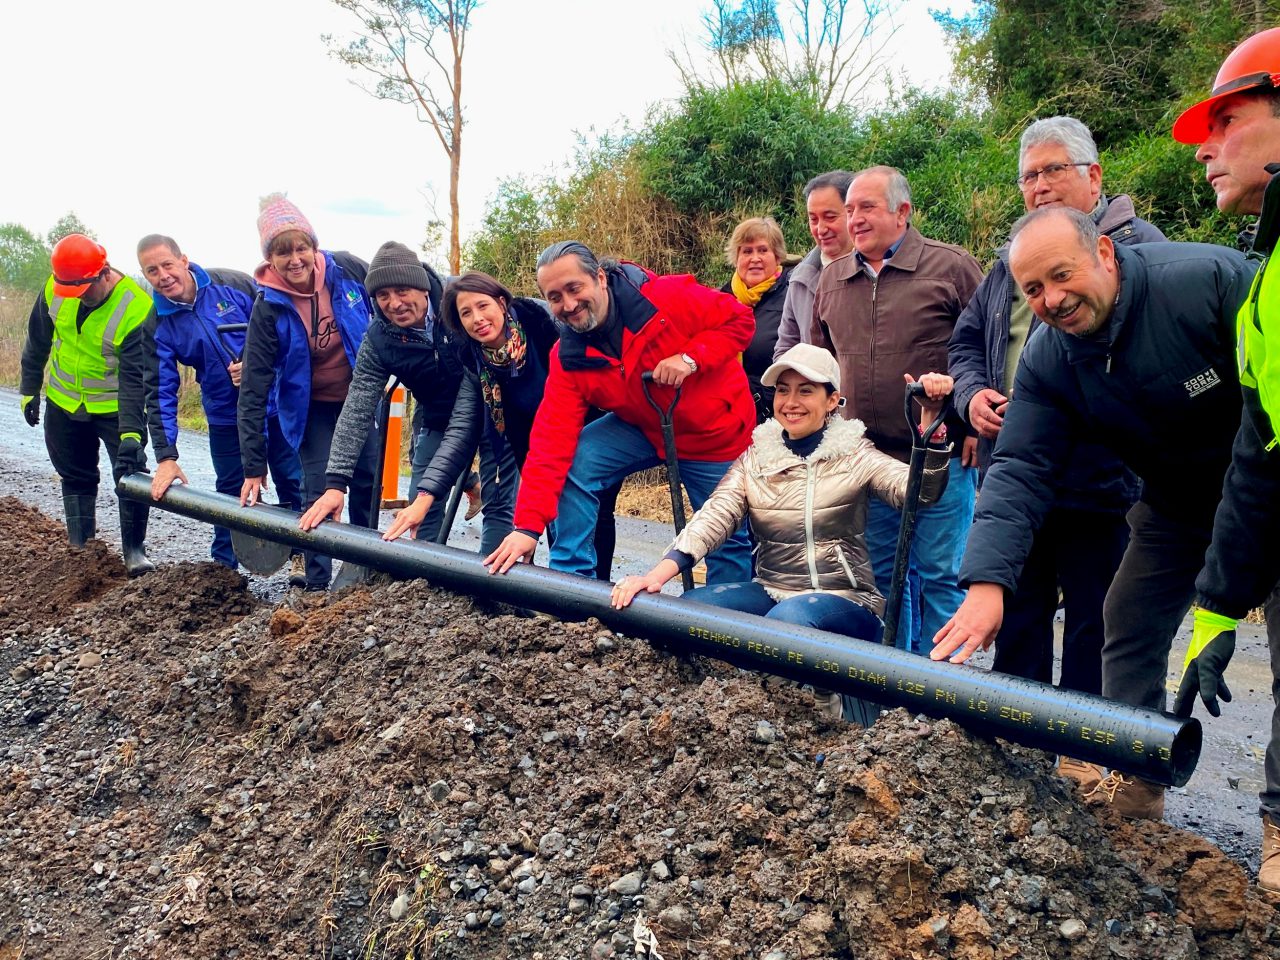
755	251
506	344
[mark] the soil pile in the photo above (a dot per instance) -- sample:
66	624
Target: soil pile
397	772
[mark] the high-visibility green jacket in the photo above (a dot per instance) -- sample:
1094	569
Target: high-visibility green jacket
84	362
1242	566
1258	324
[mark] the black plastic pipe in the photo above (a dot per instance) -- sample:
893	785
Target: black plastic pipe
1149	743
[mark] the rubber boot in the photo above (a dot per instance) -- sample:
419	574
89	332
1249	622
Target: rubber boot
82	518
133	536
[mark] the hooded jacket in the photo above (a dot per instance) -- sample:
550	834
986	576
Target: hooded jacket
1095	480
1154	386
808	514
278	357
659	317
428	364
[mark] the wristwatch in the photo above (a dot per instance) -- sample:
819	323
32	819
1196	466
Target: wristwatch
693	364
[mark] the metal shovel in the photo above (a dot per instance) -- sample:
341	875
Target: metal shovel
665	415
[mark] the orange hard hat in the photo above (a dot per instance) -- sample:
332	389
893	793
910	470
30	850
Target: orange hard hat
1253	65
77	261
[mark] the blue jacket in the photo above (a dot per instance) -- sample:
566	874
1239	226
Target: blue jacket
1155	387
188	334
1095	480
277	356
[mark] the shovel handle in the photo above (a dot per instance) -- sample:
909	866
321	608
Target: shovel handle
666	412
915	391
225	328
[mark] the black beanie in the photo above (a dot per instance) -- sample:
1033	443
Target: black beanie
395	265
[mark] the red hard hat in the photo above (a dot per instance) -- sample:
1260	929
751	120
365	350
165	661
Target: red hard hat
77	261
1253	65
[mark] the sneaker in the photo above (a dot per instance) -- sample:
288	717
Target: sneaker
474	502
1132	797
1086	775
297	571
1269	874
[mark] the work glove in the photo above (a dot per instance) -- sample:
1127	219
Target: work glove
130	458
1213	641
31	410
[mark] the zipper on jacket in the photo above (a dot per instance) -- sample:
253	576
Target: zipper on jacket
810	549
848	570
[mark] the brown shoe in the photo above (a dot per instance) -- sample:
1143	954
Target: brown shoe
475	503
1086	775
1130	797
1269	874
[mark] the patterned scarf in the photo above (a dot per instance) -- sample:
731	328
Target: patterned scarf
509	357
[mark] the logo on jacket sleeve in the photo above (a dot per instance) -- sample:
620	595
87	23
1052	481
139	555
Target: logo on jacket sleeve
1202	382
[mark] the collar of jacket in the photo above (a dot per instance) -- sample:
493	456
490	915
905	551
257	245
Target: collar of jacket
1130	301
627	303
907	257
771	454
166	307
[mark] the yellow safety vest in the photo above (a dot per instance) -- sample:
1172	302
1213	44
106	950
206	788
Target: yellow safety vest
84	364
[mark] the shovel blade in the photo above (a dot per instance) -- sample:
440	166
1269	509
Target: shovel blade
350	575
263	557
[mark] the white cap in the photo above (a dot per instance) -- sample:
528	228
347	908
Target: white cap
811	362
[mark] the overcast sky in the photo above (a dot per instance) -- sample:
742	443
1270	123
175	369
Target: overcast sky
174	117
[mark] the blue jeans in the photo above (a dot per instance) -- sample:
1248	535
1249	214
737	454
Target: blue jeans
822	611
942	530
228	472
609	450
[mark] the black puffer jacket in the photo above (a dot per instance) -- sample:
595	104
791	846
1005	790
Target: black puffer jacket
759	353
1095	480
1155	387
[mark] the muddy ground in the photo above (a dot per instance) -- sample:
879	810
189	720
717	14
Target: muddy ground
396	771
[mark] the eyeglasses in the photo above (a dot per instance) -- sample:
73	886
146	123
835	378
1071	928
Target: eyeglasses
1053	173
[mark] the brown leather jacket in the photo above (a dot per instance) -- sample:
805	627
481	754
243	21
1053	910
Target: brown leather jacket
808	515
899	322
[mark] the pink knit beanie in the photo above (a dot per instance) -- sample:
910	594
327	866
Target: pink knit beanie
278	215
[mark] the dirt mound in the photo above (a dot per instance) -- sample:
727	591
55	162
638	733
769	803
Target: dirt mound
43	576
395	772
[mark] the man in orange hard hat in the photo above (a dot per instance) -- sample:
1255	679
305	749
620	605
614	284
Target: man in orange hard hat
87	321
1236	131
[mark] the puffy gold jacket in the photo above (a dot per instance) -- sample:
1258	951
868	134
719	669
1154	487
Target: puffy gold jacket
808	515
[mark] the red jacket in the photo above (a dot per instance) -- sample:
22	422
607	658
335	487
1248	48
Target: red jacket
661	317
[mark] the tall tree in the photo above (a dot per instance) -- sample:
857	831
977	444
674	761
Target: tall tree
829	50
24	259
413	49
68	223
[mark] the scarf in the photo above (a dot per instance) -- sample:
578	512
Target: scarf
509	357
753	295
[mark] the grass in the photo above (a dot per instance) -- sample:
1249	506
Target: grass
15	307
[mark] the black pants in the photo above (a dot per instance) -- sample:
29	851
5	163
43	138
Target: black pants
73	447
1148	599
1270	796
317	437
1080	551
